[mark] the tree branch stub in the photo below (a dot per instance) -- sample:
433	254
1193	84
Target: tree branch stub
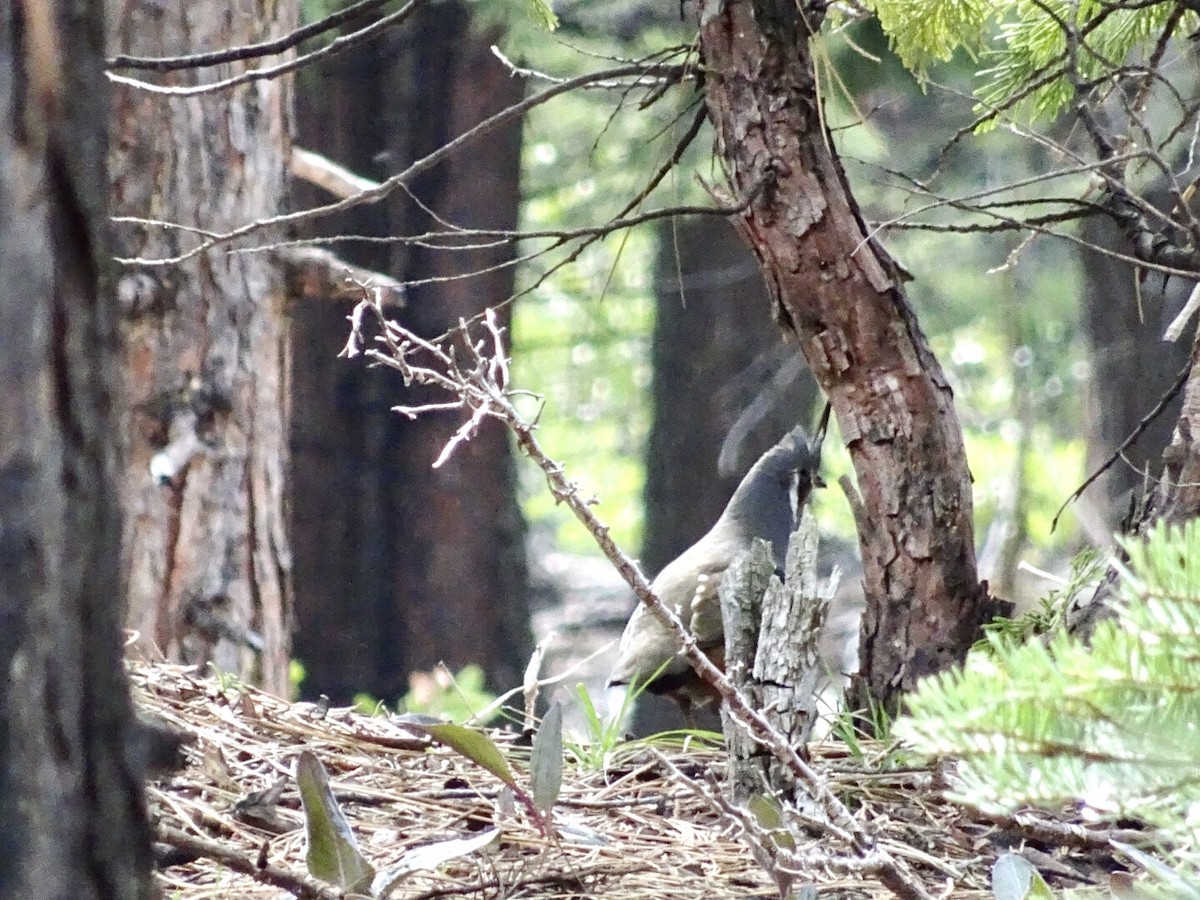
772	655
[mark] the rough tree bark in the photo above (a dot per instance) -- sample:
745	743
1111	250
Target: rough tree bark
205	346
429	564
841	294
72	810
773	655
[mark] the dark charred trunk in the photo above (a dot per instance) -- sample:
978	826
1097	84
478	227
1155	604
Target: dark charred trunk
71	804
400	566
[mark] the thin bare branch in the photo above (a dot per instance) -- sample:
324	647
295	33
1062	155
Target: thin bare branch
249	51
1163	402
313	273
676	155
338	45
385	188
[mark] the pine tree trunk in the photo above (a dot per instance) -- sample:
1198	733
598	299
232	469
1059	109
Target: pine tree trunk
460	582
841	295
205	343
72	810
398	565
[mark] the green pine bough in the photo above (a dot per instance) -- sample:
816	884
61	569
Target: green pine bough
1113	727
1027	53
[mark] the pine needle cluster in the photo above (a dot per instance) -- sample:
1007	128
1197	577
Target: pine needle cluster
1112	728
1032	55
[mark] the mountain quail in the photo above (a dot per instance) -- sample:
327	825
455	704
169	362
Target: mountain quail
763	506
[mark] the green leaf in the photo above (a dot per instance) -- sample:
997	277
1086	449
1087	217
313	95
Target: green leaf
332	854
769	814
546	760
475	746
1015	878
766	810
924	31
479	748
1025	45
543	13
591	717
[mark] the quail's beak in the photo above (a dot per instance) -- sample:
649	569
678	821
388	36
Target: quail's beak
804	481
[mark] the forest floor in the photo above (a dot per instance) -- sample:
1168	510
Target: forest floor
641	825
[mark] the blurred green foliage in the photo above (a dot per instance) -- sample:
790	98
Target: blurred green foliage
582	332
456	698
296	675
1018	42
582	335
589	360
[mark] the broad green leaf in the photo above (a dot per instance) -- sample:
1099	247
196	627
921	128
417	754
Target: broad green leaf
766	810
429	856
475	746
332	854
481	750
769	814
546	760
1015	878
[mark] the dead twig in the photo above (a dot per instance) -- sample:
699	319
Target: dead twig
474	371
227	855
1163	402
